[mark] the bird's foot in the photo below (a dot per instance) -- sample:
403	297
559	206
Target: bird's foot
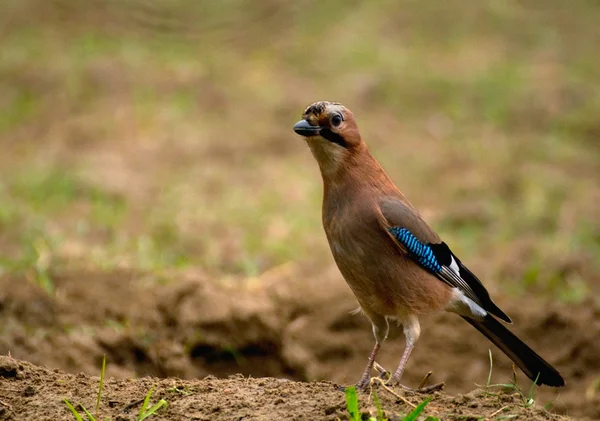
364	383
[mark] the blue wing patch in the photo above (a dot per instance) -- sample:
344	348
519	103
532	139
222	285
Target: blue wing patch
422	253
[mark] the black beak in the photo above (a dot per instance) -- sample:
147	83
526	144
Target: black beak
304	128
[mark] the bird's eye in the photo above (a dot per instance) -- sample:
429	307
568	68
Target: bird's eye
336	120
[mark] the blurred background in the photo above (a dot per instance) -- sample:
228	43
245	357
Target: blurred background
156	206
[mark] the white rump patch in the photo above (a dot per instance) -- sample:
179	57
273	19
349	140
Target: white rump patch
463	305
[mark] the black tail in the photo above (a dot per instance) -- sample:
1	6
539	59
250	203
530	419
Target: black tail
523	356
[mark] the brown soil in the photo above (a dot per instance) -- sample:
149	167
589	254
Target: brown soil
30	392
287	324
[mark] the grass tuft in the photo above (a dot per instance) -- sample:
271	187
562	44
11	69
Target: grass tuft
355	415
144	413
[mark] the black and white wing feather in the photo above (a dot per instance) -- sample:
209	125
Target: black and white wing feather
424	246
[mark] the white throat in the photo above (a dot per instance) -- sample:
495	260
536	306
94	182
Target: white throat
329	155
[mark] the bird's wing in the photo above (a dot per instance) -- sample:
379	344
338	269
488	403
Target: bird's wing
414	237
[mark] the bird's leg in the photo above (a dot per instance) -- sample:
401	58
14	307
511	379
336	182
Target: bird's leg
412	330
397	376
380	331
365	379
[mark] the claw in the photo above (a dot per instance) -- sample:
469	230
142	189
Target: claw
363	384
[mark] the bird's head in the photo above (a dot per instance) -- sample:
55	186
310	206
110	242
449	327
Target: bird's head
331	133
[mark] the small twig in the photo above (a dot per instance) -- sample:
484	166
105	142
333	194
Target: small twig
402	398
424	381
6	405
132	404
497	412
430	389
383	373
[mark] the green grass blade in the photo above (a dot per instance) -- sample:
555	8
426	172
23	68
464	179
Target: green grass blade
153	410
414	414
73	410
101	383
380	415
352	403
90	416
531	393
145	404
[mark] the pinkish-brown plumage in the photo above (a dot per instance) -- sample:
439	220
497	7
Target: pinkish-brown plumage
361	209
368	257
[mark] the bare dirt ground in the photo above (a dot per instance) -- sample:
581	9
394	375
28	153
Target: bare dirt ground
285	324
30	392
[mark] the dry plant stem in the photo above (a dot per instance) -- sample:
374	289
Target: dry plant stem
428	389
132	404
383	373
493	414
402	398
424	381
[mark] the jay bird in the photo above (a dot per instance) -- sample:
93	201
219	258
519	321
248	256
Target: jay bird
396	265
